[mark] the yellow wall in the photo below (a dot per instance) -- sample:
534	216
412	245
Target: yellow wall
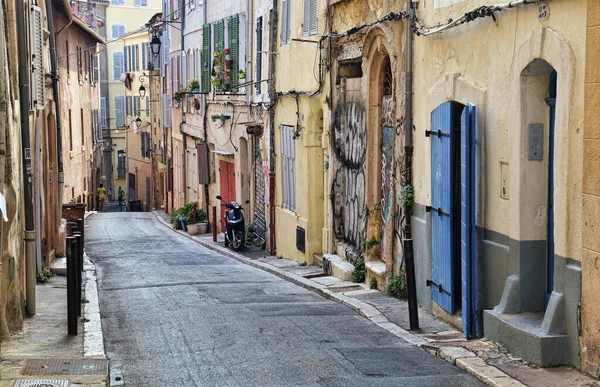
590	310
312	117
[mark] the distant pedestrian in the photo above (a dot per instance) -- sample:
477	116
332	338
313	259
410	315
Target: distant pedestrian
101	197
121	194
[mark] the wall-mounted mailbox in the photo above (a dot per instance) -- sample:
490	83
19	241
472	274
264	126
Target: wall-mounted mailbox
536	141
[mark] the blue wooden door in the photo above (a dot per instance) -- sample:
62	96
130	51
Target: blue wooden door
442	212
550	223
467	219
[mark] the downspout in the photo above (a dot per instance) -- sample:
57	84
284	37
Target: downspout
408	152
54	75
272	65
204	127
185	192
331	155
30	242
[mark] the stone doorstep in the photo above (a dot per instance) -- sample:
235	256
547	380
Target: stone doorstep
466	360
59	266
339	268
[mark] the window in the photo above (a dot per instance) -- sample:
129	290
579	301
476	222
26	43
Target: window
136	57
121	164
136	106
118	30
120	111
309	25
103	112
70	131
206	64
79	64
285	22
147	106
140	3
145	140
117	2
288	163
82	129
117	65
259	42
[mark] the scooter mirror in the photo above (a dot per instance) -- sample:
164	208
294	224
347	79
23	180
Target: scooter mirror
219	197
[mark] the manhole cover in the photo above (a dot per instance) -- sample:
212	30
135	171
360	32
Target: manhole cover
41	383
65	367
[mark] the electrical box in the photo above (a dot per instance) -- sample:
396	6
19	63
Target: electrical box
300	239
536	141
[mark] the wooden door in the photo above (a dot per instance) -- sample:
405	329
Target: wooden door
227	186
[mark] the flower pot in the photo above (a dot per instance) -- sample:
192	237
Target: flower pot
242	75
217	69
193	229
203	227
216	82
226	51
228	64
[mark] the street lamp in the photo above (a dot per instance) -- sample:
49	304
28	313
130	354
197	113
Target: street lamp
142	91
155	46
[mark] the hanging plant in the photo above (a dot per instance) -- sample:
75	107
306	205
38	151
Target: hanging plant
216	81
178	96
241	74
194	83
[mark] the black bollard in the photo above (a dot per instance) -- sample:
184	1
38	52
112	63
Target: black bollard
81	228
72	286
78	261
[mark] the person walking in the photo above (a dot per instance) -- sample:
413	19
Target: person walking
101	197
121	193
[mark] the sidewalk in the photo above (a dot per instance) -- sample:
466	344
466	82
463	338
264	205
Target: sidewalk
44	351
486	360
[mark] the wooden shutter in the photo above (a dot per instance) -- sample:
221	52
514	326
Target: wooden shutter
284	22
306	19
234	51
119	111
117	65
314	11
143	143
220	34
206	58
125	62
103	112
259	39
442	211
38	86
203	163
147	106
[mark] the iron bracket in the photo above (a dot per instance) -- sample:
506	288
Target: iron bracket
436	210
438	286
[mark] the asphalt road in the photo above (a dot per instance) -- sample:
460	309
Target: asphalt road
176	314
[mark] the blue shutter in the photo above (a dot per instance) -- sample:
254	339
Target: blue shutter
442	214
144	56
467	224
125	63
119	111
147	106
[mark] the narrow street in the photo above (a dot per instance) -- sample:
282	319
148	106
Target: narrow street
176	314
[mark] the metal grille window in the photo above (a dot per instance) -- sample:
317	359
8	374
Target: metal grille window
288	163
309	25
38	89
121	164
285	22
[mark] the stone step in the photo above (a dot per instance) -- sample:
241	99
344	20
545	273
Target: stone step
59	266
521	334
318	260
337	267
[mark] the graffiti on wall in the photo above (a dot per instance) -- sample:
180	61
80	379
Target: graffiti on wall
349	142
387	165
260	222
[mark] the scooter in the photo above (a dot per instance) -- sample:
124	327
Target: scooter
235	226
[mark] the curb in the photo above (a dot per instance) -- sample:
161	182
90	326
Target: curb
93	338
458	356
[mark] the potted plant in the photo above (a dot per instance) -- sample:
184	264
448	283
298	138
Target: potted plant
178	95
216	81
202	221
194	84
241	74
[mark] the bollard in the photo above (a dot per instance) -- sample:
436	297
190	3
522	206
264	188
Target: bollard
81	228
71	287
78	260
214	227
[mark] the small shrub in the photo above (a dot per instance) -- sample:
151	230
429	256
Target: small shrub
45	275
373	283
359	272
407	196
369	244
187	211
396	286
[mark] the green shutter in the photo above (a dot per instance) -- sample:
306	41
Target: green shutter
206	58
234	51
220	44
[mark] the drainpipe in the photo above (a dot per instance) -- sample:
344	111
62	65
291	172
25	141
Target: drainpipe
185	195
408	152
30	242
272	65
54	74
204	128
